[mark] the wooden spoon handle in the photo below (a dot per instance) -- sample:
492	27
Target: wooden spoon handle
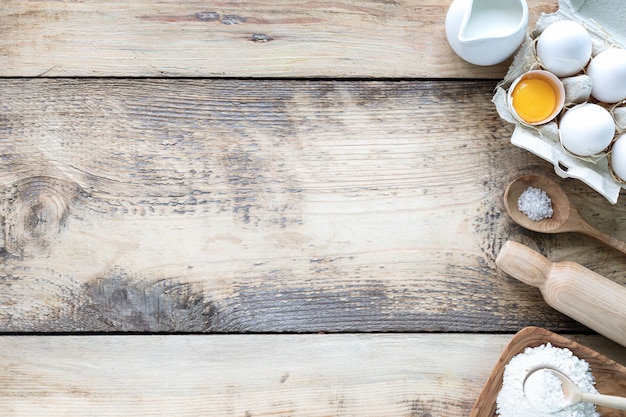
570	288
612	401
580	225
606	238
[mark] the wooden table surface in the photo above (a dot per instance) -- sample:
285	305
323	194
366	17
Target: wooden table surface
254	208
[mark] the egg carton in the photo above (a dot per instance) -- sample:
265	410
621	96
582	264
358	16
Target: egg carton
606	23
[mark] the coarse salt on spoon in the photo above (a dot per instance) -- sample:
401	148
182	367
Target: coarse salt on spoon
565	218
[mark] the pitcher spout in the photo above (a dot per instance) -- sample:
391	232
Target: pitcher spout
493	19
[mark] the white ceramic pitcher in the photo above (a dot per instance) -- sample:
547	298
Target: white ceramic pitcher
486	32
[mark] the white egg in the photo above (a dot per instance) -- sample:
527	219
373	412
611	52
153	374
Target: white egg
608	74
564	48
586	129
618	157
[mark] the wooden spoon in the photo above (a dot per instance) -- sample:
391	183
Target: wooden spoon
565	217
569	394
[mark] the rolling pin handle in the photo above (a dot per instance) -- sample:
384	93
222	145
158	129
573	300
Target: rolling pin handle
524	264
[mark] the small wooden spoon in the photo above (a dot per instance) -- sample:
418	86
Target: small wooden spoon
565	217
569	394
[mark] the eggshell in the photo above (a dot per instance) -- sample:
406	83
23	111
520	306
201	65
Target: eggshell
618	157
557	88
586	129
608	74
564	48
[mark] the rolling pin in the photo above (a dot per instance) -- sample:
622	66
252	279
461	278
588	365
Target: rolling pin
570	288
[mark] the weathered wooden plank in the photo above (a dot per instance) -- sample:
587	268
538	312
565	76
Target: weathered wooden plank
268	206
251	375
350	38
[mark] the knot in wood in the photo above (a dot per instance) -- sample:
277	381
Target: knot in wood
208	16
261	38
36	211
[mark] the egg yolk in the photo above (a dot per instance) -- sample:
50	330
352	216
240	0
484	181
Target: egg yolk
533	100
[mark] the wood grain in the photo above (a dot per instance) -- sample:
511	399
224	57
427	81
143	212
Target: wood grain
265	38
268	206
249	375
